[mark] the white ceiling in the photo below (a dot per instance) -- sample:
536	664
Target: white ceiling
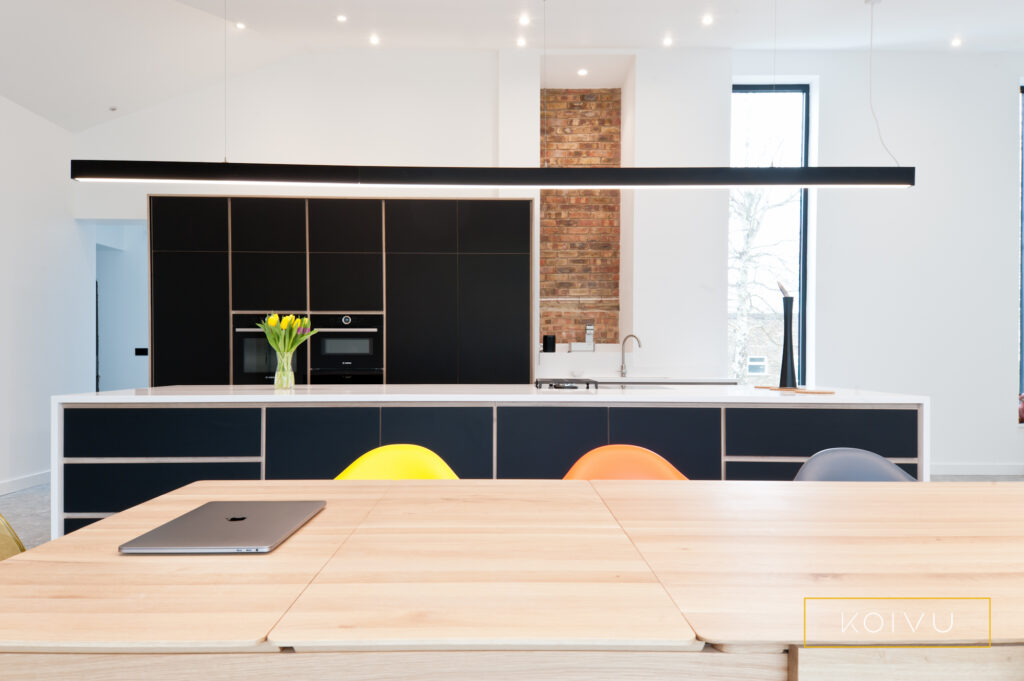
70	60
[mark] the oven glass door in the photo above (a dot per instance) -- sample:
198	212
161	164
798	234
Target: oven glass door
255	361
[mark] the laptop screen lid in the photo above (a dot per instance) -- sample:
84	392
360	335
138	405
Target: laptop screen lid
227	527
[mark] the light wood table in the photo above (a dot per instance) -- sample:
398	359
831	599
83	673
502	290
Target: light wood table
522	580
739	558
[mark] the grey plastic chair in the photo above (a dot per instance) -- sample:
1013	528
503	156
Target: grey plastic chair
846	464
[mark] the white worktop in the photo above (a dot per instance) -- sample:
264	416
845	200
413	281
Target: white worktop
486	394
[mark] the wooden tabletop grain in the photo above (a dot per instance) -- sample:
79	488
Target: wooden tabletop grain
523	565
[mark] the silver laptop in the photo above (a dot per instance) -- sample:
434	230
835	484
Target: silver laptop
227	527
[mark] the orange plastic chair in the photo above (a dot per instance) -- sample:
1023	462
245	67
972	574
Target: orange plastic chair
623	462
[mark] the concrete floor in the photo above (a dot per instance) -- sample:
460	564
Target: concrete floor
28	511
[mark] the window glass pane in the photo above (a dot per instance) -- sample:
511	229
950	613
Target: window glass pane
764	232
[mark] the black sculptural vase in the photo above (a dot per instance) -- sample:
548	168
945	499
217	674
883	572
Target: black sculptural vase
787	376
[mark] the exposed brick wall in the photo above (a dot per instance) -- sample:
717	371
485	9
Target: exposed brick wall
579	228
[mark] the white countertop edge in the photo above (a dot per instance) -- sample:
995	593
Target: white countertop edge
481	394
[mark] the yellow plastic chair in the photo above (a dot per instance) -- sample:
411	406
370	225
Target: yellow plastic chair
398	462
10	544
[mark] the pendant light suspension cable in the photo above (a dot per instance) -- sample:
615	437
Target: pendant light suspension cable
225	81
871	79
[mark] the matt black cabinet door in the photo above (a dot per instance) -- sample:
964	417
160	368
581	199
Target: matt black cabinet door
346	226
268	225
544	442
494	226
263	282
112	487
422	319
317	443
462	436
190	290
804	432
185	223
421	226
494	319
690	438
161	432
346	282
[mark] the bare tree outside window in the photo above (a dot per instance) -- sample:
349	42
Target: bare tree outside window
765	231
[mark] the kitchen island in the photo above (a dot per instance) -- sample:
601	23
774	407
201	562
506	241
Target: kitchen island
113	450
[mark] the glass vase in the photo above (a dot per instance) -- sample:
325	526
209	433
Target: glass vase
284	378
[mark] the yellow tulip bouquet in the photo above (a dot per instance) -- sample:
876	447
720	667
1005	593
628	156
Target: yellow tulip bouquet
285	335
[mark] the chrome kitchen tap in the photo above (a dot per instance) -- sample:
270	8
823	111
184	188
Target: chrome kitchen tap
622	369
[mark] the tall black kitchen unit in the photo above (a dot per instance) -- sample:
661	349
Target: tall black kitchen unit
189	250
268	255
458	291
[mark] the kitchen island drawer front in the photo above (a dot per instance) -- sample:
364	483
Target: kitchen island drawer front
462	436
761	470
803	432
691	439
112	487
317	443
544	442
163	432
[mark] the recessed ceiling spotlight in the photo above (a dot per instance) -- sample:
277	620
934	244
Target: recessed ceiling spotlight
374	39
342	18
524	19
956	41
707	19
521	41
582	72
667	41
239	25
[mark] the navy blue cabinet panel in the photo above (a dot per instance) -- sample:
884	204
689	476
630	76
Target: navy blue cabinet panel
346	225
494	319
494	226
268	281
760	470
161	432
803	432
189	287
111	487
690	438
421	226
462	436
346	282
186	223
317	443
544	442
422	318
72	524
259	224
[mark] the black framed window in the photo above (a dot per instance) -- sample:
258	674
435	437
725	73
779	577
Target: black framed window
767	230
1020	314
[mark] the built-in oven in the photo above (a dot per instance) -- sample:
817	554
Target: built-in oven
347	348
254	361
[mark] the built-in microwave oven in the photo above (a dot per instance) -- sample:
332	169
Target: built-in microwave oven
347	348
254	361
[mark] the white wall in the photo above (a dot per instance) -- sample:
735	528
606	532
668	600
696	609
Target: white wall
917	290
383	107
122	278
46	284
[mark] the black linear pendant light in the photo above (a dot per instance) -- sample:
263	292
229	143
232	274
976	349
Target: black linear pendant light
489	177
482	177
